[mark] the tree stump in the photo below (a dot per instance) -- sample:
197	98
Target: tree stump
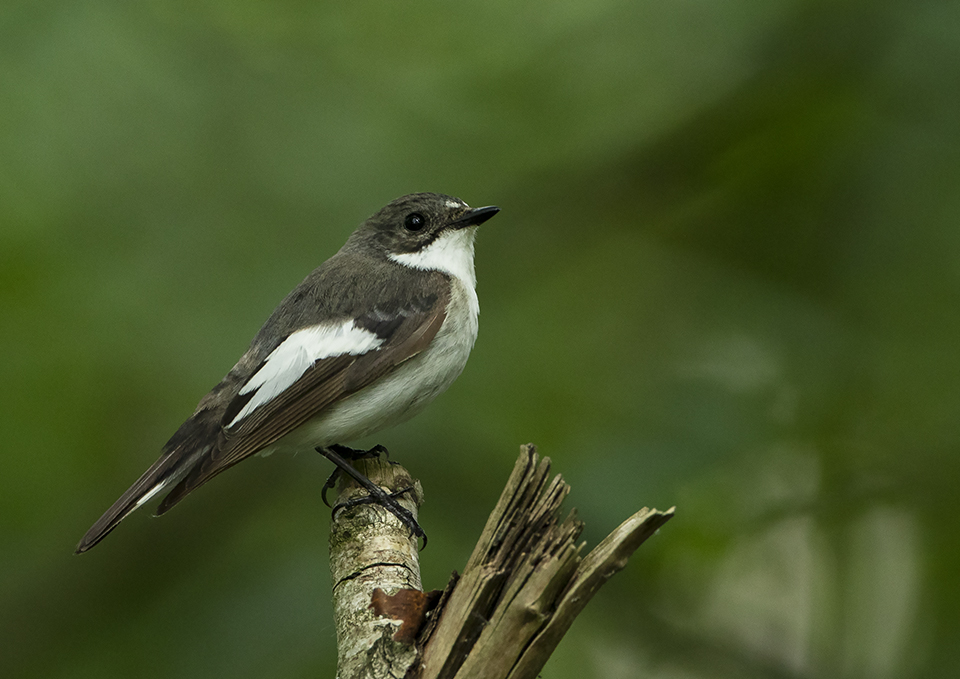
520	591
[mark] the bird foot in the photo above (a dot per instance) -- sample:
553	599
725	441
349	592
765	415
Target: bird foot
338	454
348	454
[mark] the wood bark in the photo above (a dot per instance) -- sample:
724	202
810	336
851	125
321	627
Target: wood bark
372	555
520	591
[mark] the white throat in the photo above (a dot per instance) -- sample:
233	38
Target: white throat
451	253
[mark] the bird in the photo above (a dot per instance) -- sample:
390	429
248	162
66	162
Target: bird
364	342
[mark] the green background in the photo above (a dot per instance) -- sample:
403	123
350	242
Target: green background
726	276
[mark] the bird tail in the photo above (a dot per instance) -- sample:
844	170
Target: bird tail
184	449
145	488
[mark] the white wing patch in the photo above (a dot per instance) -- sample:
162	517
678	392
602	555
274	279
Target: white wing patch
297	353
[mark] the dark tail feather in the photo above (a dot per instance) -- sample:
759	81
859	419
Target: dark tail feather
188	445
148	485
178	492
199	474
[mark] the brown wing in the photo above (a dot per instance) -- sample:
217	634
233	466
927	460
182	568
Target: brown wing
324	383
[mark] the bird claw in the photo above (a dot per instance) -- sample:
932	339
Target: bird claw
388	502
349	454
337	455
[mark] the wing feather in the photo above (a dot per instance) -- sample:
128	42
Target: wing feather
325	382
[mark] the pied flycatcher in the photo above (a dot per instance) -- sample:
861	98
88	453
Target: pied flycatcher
363	343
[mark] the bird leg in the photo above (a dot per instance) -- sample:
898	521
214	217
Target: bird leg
337	455
348	454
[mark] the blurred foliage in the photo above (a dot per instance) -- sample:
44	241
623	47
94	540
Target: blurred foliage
726	276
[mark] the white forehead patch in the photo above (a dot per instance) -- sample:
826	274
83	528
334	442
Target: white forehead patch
287	363
453	204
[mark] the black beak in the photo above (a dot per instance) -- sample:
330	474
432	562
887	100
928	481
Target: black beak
475	216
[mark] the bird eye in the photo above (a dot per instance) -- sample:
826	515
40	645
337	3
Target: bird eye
415	221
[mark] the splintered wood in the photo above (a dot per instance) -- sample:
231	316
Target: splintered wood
525	582
520	591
